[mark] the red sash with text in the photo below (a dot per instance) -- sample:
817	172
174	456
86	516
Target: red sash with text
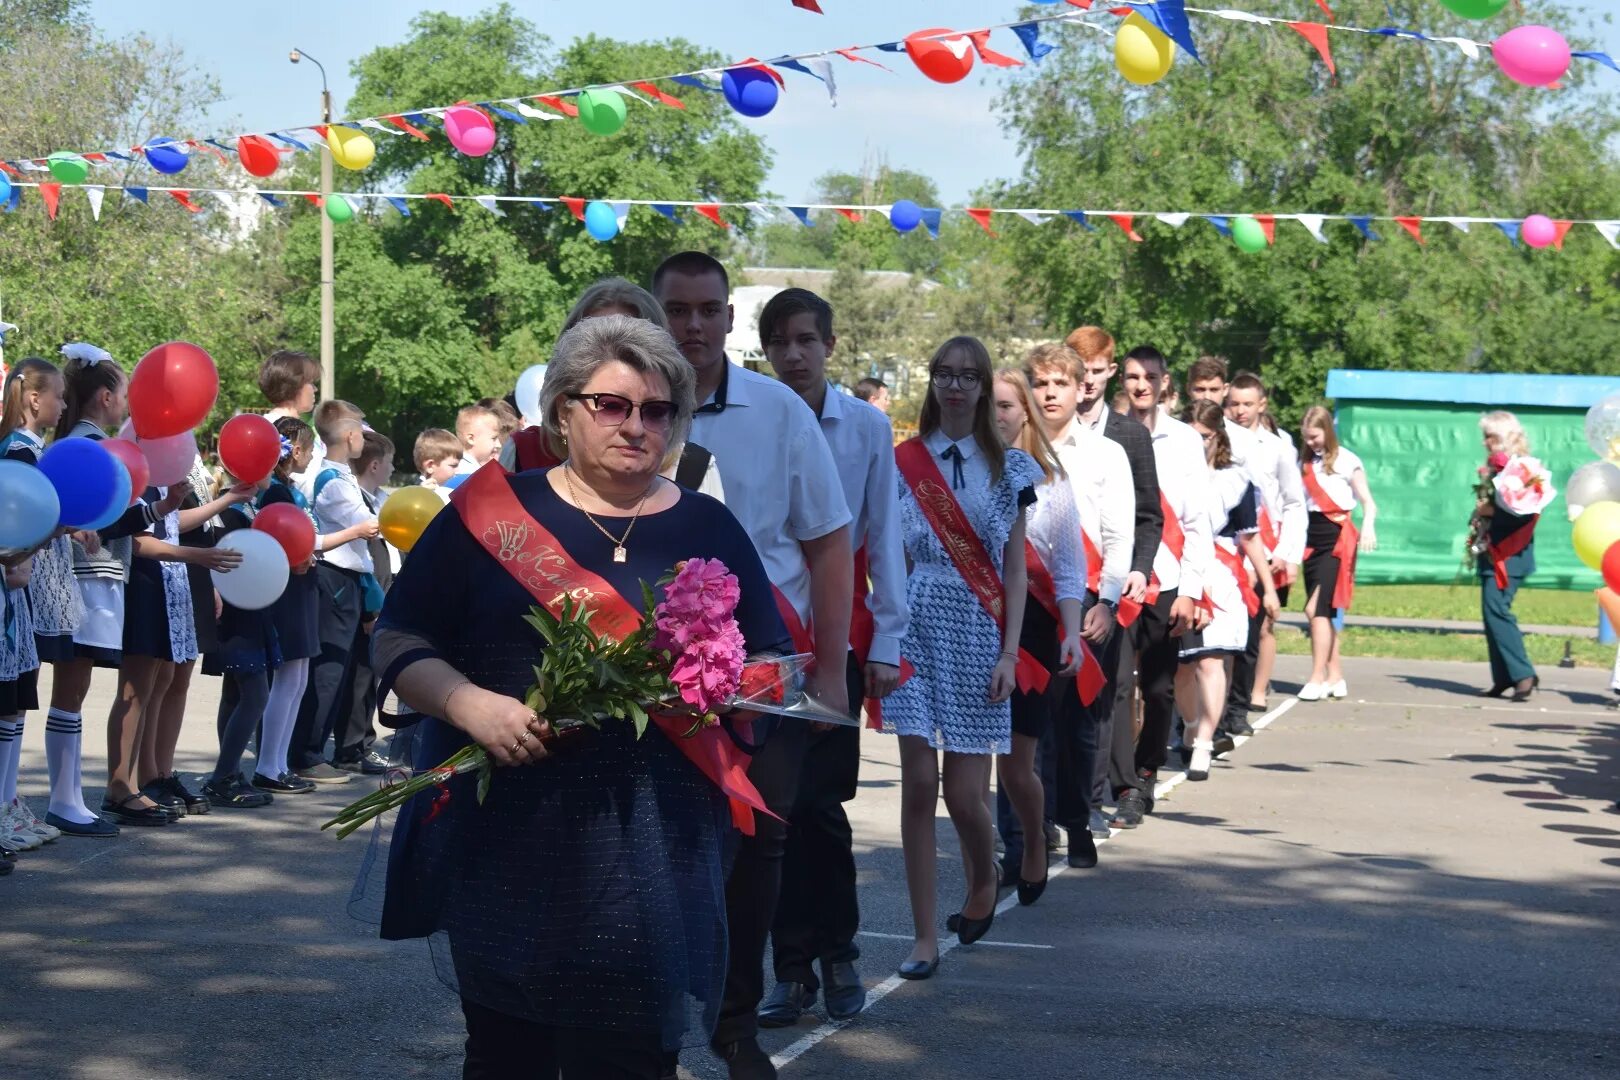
1513	543
538	561
944	515
862	629
1090	679
1175	542
1345	548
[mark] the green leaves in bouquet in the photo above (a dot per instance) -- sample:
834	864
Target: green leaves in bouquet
585	676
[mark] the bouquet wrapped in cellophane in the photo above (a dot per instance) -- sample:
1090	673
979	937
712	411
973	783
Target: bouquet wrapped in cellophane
684	665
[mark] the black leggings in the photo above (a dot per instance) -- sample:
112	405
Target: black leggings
236	728
502	1047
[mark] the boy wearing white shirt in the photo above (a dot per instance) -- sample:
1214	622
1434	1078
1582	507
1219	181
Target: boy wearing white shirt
1171	606
818	915
1282	531
1104	493
782	484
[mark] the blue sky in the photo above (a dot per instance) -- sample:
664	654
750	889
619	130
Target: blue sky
947	132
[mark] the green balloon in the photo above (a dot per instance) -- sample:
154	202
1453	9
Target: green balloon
68	167
601	111
1475	9
1248	235
339	209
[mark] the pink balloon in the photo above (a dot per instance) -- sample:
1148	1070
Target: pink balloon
470	131
1532	55
1538	231
171	458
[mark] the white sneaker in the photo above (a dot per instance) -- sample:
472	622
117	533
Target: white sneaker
12	833
1198	768
1312	691
30	821
1338	690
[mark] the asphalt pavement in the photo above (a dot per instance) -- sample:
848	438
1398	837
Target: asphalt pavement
1413	882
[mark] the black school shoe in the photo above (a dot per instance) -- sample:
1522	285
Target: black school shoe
232	793
121	813
172	804
285	784
195	801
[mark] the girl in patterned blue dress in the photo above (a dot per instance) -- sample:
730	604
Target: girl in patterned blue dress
958	700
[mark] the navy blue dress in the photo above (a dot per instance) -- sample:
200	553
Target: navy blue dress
587	891
297	614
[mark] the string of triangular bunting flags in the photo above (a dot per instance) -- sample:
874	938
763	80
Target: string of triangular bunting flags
1536	230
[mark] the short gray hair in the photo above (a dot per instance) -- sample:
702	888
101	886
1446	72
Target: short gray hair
594	342
617	292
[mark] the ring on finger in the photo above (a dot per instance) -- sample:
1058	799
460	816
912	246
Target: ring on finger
526	736
514	748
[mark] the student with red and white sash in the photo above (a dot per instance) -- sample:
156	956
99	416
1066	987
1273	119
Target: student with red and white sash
782	483
819	915
1510	553
1233	504
1056	564
1334	483
1104	485
1170	608
962	501
1274	468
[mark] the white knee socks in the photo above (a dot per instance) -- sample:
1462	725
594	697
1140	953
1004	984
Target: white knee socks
11	733
280	712
64	736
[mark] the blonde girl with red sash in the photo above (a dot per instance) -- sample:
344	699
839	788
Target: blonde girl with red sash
1334	483
1206	655
962	501
1056	568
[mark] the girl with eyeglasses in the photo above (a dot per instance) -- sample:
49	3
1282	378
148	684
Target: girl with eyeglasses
963	496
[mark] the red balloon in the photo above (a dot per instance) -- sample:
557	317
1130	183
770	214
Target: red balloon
258	155
938	57
130	455
171	390
291	528
249	447
1611	566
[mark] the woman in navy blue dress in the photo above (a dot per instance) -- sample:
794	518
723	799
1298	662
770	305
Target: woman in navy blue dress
583	902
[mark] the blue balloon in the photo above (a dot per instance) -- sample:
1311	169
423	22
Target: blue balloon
28	506
601	222
166	156
749	90
905	215
5	189
116	505
86	478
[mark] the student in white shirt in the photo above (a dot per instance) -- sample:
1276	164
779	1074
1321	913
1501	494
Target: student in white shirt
437	455
1337	473
1104	491
1282	531
818	915
782	483
1178	581
338	506
479	430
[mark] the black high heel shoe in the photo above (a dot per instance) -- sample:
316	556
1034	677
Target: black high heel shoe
1030	891
1525	687
1498	690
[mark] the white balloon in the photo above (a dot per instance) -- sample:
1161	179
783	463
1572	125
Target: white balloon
261	578
1603	428
527	394
1594	482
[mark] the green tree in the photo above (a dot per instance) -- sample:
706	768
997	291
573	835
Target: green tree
1405	129
442	307
872	244
141	275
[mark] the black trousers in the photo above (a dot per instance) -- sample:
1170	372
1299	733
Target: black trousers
755	882
1155	654
501	1047
1240	689
818	913
1076	736
354	733
340	607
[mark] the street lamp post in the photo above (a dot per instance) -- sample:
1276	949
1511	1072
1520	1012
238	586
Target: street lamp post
328	378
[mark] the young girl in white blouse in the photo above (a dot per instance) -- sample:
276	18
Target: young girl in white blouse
1334	483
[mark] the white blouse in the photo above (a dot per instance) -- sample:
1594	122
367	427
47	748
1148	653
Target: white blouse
1336	485
1053	529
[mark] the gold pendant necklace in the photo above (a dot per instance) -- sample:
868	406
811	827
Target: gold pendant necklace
619	553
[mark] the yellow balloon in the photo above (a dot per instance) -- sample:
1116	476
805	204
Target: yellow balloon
350	148
406	513
1596	528
1142	52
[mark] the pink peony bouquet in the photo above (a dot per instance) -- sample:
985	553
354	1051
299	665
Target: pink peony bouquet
1523	485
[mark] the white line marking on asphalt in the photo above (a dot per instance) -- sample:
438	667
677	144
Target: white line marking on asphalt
997	944
1521	709
888	986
